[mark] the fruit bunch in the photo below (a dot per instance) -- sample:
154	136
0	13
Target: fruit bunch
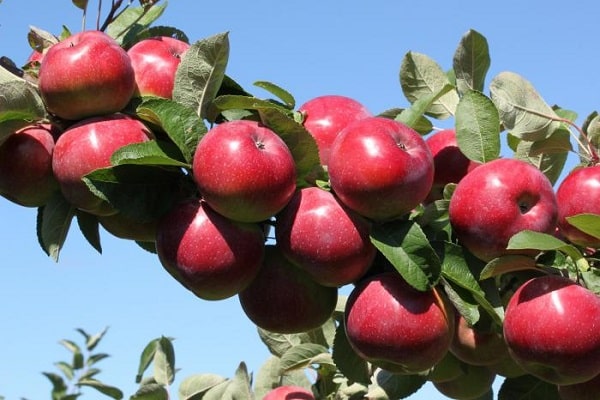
462	263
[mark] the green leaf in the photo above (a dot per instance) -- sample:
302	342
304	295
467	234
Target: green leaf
152	152
93	340
421	76
350	364
103	388
285	96
89	227
527	387
522	110
20	104
387	385
243	102
406	247
82	4
558	142
551	164
53	222
240	386
478	127
463	301
420	124
39	39
506	264
587	223
471	62
94	358
170	31
146	358
164	362
413	116
180	123
201	72
270	376
66	369
217	392
132	21
279	343
151	391
302	356
59	386
195	386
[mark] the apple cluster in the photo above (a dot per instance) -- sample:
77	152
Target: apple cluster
245	223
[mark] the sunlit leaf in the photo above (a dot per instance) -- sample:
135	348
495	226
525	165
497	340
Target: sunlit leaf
478	127
587	223
413	115
164	362
133	20
103	388
506	264
240	386
283	95
471	62
301	356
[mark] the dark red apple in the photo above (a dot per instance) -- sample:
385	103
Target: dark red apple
155	61
289	392
212	256
325	238
451	165
244	171
26	176
475	382
87	146
380	168
551	329
396	327
85	75
477	346
325	117
579	193
285	299
497	200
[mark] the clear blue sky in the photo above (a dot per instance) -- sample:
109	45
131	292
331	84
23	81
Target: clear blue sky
311	48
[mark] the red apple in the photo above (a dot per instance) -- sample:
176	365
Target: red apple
588	390
244	171
396	327
285	299
475	382
155	61
551	329
289	392
86	75
88	145
476	346
212	256
325	238
497	200
26	176
325	117
451	165
579	193
380	168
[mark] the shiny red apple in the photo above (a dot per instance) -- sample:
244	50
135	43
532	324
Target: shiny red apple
155	61
477	346
85	75
244	171
325	117
551	329
325	238
380	168
497	200
212	256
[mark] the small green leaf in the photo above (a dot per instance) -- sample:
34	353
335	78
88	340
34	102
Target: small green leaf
59	386
406	247
387	385
283	95
270	376
39	39
201	72
587	223
93	340
463	301
82	4
527	387
471	62
421	124
413	116
132	21
170	31
66	369
164	362
194	387
506	264
301	356
240	386
478	127
551	164
279	343
89	227
243	102
350	364
53	222
103	388
152	152
151	391
94	358
146	359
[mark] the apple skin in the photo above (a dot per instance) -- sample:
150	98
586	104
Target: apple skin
26	176
450	163
475	346
380	168
244	171
325	238
325	117
475	382
497	200
578	193
551	329
212	256
87	146
396	327
289	392
85	75
581	391
285	299
155	61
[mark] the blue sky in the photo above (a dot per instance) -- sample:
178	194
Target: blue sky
311	48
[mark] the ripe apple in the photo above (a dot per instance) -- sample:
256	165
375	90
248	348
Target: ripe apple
123	227
396	327
285	299
380	168
581	391
289	392
325	117
451	165
26	176
84	75
476	346
578	193
244	171
212	256
475	382
497	200
86	146
551	329
325	238
155	61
